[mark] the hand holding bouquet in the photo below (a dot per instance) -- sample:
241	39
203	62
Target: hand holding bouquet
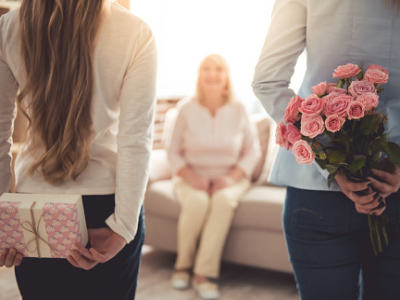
339	127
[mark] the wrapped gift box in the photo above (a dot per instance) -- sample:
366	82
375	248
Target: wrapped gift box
42	225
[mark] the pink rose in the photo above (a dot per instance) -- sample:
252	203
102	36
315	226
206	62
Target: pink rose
293	134
331	85
358	88
376	76
337	105
292	113
332	88
303	152
334	123
320	89
312	106
369	100
346	71
331	96
355	110
281	136
378	67
312	126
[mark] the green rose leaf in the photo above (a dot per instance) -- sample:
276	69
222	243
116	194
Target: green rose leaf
331	179
394	152
379	145
376	156
332	168
368	124
385	137
336	156
360	75
358	163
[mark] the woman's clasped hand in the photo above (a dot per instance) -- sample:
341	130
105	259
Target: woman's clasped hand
10	257
365	199
211	185
105	244
384	182
369	196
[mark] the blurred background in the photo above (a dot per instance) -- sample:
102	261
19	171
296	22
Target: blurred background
187	31
255	262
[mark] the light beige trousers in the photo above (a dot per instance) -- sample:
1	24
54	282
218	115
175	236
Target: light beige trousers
204	224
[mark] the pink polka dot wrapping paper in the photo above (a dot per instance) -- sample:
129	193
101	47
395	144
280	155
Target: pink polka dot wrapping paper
11	231
62	227
42	225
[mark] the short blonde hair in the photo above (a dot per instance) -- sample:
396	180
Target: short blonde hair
220	61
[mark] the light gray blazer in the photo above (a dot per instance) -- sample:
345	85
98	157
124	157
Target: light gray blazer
333	33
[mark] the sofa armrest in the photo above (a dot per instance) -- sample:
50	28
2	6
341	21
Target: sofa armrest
159	166
266	130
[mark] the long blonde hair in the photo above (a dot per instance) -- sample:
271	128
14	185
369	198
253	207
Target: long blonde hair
57	46
220	61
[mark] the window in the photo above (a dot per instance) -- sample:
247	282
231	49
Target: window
188	30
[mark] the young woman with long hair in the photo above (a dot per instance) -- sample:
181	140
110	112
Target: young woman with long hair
213	150
326	228
85	71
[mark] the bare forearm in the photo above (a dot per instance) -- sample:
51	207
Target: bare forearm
237	174
184	172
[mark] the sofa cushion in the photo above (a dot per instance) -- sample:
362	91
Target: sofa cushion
160	200
260	208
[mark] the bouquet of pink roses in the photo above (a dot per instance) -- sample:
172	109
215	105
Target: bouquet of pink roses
339	127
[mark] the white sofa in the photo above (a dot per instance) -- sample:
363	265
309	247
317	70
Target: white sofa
256	235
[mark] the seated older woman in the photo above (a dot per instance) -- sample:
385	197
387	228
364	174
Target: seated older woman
213	150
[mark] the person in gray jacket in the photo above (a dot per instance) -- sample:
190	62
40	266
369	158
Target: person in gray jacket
323	226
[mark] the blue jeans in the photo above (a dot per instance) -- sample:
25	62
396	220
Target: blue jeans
49	278
330	250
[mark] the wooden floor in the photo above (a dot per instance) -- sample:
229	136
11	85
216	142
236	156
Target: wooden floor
236	282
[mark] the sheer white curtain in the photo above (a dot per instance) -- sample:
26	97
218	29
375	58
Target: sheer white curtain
188	30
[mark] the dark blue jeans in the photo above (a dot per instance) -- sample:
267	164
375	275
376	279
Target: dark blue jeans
50	279
330	250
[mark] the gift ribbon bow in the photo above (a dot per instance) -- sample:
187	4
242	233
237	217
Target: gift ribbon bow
32	228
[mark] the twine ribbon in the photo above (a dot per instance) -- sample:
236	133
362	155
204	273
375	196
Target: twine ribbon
32	228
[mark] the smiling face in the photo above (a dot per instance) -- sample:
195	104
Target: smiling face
213	78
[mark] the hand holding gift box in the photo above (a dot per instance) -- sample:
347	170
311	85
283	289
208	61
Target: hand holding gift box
42	225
